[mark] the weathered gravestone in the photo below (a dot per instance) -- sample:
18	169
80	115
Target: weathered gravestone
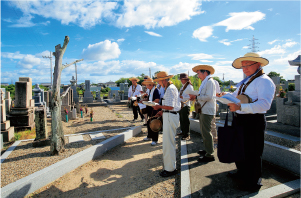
73	87
38	96
7	102
22	114
41	128
88	98
6	130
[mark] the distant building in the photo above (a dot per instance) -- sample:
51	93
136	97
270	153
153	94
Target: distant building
4	84
110	84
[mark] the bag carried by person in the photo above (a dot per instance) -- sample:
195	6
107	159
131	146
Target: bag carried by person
198	107
230	142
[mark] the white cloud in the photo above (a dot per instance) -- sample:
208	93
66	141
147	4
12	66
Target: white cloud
86	14
151	14
104	50
202	33
206	61
29	61
289	44
241	20
277	49
200	56
271	9
272	42
182	68
153	34
10	55
226	42
245	47
120	40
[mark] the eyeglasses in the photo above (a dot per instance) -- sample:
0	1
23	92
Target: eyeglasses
247	66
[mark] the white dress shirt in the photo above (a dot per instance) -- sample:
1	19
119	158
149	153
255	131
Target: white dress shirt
185	96
171	98
217	88
261	89
136	93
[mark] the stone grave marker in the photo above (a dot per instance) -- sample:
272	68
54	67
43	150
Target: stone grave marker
88	98
6	130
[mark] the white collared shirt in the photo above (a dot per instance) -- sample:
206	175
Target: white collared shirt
185	96
171	98
261	89
136	92
151	93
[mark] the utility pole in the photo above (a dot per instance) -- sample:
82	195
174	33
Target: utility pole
75	75
50	57
150	73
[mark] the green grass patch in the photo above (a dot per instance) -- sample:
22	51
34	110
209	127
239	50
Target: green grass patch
24	135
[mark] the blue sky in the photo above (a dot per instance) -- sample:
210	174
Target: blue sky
125	38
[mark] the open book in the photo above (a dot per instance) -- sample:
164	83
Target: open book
150	103
228	98
188	91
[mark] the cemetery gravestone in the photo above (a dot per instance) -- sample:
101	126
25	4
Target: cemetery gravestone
6	130
73	87
88	98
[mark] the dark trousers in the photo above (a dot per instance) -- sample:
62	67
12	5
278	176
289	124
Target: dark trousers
136	110
254	126
184	120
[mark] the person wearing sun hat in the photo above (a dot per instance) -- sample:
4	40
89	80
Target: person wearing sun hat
185	106
170	107
207	91
134	91
260	90
153	96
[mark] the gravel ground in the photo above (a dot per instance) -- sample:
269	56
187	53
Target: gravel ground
132	169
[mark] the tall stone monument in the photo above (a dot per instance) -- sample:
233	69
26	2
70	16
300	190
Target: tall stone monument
22	114
288	109
38	96
88	98
73	87
6	130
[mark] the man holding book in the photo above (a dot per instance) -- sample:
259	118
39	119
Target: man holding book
205	97
258	90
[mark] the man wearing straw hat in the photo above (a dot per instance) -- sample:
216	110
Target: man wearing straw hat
134	91
170	107
260	90
153	96
185	106
205	98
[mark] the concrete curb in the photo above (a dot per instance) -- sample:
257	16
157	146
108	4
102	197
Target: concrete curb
282	190
185	177
47	175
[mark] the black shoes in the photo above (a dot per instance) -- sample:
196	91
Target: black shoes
206	159
202	152
168	174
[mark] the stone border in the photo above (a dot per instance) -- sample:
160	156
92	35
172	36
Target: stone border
37	180
185	177
282	190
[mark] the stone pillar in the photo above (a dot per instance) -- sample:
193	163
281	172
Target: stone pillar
29	88
6	130
46	98
88	98
7	102
41	124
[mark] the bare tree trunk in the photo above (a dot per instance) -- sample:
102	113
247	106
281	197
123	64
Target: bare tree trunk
57	137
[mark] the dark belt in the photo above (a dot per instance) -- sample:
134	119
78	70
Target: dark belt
174	112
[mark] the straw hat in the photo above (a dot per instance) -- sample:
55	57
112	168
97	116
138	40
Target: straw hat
134	78
184	76
148	81
162	75
204	67
249	57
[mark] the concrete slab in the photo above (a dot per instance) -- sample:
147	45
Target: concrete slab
76	138
9	150
97	136
185	178
284	136
47	175
281	190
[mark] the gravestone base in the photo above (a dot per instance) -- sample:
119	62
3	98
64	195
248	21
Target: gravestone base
22	118
8	134
288	114
88	100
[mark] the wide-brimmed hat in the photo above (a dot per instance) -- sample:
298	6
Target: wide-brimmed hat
134	78
184	76
250	57
162	75
204	67
148	81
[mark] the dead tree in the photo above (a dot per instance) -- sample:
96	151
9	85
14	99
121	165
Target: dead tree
57	133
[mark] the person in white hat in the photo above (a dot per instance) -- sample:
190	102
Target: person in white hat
135	91
170	107
260	90
207	91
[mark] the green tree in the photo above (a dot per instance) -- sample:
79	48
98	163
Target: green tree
122	80
275	74
217	79
11	89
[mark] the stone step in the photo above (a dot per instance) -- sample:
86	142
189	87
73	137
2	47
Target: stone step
97	136
283	136
76	138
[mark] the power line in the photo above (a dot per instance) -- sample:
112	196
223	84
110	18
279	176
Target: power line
253	45
50	57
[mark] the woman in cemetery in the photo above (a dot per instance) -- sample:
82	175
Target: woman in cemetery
134	95
259	89
153	96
